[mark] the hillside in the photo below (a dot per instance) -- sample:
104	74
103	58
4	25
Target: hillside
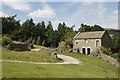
41	56
113	31
90	67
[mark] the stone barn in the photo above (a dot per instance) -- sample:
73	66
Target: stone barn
90	42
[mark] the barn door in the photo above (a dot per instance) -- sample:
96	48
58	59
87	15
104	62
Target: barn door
88	51
83	50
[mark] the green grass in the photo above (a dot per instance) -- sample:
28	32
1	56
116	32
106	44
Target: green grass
92	67
37	47
42	56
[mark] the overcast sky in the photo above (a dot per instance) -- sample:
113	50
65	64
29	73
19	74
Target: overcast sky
104	14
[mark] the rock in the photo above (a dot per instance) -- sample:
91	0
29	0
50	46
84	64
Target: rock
18	46
54	54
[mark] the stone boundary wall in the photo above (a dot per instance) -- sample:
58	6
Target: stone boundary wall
109	59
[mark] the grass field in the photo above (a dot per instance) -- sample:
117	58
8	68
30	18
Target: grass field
42	56
92	67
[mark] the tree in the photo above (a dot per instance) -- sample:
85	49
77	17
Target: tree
49	34
39	32
69	38
116	42
38	42
6	40
28	28
49	26
55	39
44	43
84	28
87	28
97	28
62	29
26	31
9	25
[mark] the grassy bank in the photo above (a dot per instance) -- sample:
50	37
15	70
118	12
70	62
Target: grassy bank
41	56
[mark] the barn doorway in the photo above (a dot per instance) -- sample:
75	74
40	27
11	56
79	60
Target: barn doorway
88	51
78	50
83	50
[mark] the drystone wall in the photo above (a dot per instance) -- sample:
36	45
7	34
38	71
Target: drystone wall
109	59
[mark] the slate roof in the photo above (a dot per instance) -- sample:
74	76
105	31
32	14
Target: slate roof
89	35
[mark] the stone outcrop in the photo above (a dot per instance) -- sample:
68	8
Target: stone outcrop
19	46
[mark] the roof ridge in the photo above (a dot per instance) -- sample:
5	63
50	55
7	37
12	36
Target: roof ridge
92	34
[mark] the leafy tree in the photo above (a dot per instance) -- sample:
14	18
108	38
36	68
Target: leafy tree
40	31
9	24
69	38
28	28
44	43
41	34
116	42
62	29
87	28
38	41
106	51
97	28
6	40
84	28
55	39
50	34
49	26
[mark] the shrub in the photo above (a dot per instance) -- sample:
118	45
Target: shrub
106	51
115	55
6	40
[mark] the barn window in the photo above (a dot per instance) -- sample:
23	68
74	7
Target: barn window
97	43
76	44
86	41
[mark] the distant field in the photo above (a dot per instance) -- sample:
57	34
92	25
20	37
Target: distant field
92	67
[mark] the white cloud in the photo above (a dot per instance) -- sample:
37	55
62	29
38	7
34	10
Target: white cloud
87	3
2	14
44	13
94	14
17	5
115	12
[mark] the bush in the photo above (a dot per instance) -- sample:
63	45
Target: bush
115	55
6	40
106	51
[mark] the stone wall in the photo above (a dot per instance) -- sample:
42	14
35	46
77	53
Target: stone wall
109	59
81	43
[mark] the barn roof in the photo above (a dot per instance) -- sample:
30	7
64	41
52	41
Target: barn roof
89	35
